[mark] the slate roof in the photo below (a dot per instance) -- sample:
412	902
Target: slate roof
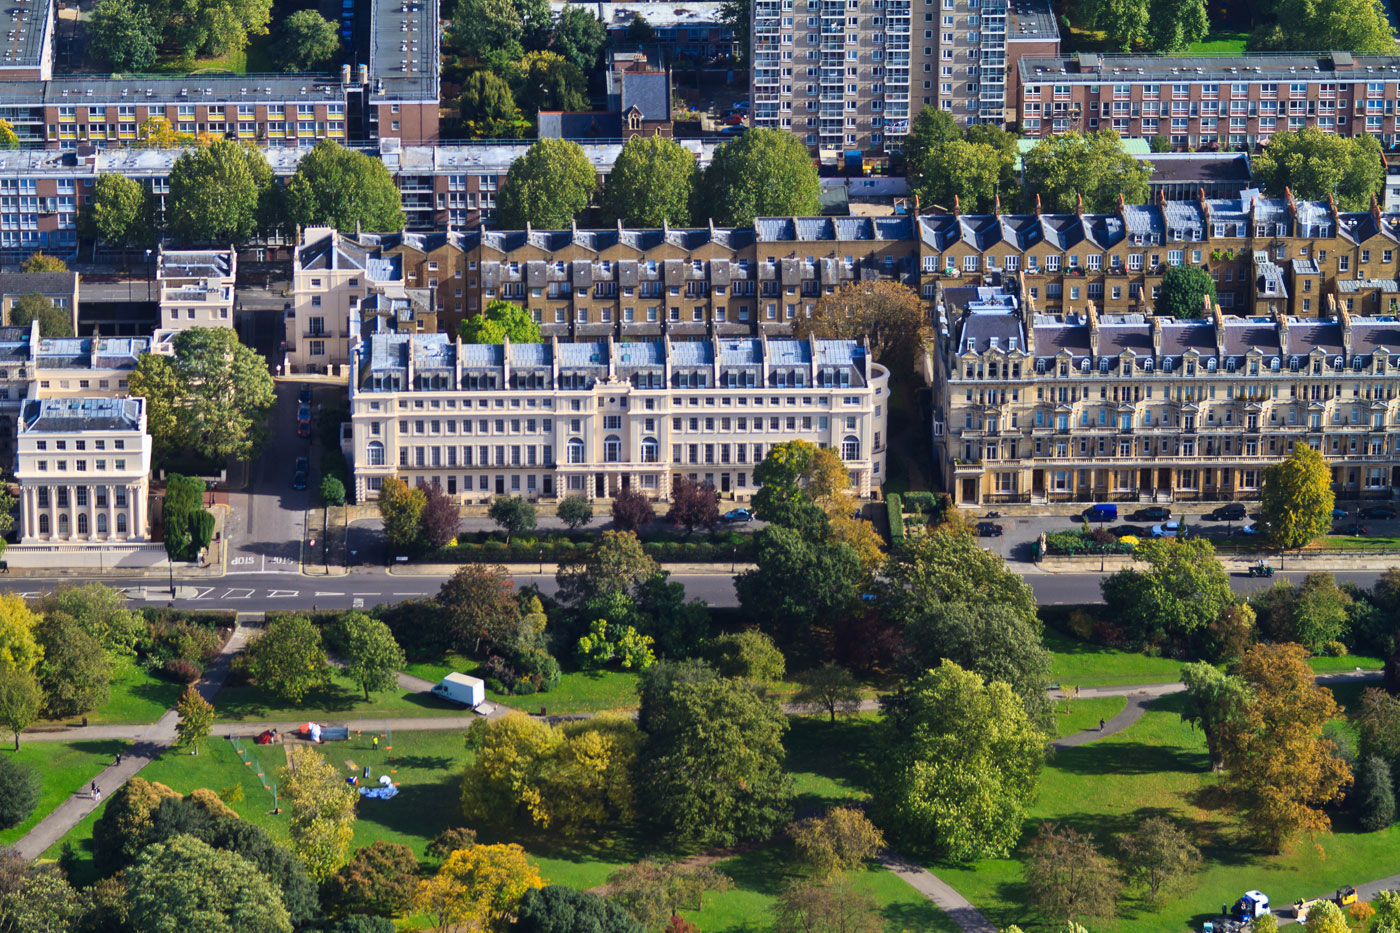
65	415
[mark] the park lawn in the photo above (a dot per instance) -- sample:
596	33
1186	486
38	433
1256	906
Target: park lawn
1160	766
1079	663
137	696
1219	43
343	699
1074	716
65	768
1345	664
576	692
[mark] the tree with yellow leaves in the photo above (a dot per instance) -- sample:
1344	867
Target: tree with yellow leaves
478	888
322	809
891	316
19	651
1279	768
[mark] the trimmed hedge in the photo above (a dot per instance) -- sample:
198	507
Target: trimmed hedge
1070	543
894	505
739	547
208	618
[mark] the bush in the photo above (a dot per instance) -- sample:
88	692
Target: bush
894	505
332	490
183	671
19	791
1334	649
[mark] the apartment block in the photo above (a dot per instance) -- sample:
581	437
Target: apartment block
593	417
850	74
196	287
83	468
60	288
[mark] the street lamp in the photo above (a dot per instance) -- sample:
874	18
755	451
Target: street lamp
151	267
170	566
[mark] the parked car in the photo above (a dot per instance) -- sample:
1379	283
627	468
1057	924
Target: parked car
734	119
304	411
733	131
304	398
303	465
737	515
1338	513
304	428
989	530
1355	528
1153	513
1165	530
1377	512
1124	531
299	479
1232	512
1103	512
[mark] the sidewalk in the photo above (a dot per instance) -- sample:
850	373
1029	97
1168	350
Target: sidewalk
1235	566
536	568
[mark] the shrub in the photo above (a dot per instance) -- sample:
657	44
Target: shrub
182	670
1334	649
894	505
19	792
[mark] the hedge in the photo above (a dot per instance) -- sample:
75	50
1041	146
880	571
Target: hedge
895	506
208	618
719	550
1070	543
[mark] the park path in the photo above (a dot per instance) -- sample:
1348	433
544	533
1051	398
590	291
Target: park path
150	742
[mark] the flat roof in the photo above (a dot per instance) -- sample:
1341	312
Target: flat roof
1030	20
64	415
1168	69
27	33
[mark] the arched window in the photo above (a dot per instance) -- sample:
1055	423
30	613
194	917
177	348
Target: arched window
612	449
121	523
63	524
43	524
651	451
850	448
576	451
102	523
82	523
376	453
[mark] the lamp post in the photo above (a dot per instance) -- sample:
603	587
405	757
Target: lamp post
170	567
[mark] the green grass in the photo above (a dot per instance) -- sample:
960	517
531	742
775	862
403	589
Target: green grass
1219	43
1074	716
137	696
255	59
576	692
1345	664
1160	766
341	700
64	769
1079	663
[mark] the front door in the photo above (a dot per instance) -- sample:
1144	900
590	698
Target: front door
600	486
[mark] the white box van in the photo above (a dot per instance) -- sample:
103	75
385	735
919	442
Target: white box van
459	688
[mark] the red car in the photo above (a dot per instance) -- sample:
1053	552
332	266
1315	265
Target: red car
303	429
734	119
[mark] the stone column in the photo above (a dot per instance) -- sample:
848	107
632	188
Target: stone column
111	513
137	497
27	512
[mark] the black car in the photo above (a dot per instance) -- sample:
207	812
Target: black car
1123	531
1234	512
1355	528
1378	512
989	530
1153	513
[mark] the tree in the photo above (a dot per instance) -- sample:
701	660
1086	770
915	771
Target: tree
52	321
547	187
480	27
749	654
75	673
557	909
639	31
1173	25
1378	725
288	659
42	262
121	212
440	519
952	166
1184	292
579	36
652	892
889	315
1124	22
830	689
809	907
1067	877
613	563
9	139
379	879
101	612
841	841
487	103
631	510
1315	615
18	649
123	36
713	757
608	642
575	512
512	514
196	719
401	511
126	819
502	320
692	503
216	28
322	805
1360	25
736	15
373	658
1182	592
20	700
1213	700
1314	165
1279	769
1296	499
1387	918
184	884
343	188
547	81
962	762
651	184
307	42
40	899
1326	917
1158	855
479	888
332	490
19	792
763	173
479	605
797	582
794	471
1061	167
212	395
1374	799
217	193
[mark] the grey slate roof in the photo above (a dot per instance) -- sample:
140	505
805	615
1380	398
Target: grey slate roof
53	415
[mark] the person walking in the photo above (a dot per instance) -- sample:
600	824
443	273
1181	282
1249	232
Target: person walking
375	743
96	792
119	758
1100	725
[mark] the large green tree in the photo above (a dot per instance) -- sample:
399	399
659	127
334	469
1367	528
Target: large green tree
306	41
713	760
121	34
121	213
1154	25
947	164
487	107
1184	292
343	188
764	173
960	765
212	395
547	187
401	510
187	885
21	698
579	36
288	659
219	193
558	909
1296	499
547	81
1356	25
53	322
75	673
19	791
798	581
372	657
1064	166
502	320
948	566
1213	699
652	183
1313	164
480	27
1181	593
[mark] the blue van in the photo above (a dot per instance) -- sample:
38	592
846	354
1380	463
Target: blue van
1103	512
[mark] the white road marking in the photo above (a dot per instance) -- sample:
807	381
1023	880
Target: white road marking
202	592
323	593
357	603
238	593
281	594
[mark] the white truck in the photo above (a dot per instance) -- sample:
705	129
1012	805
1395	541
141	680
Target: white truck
460	688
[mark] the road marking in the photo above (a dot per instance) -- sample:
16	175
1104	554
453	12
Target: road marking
238	594
367	594
323	593
281	594
357	603
29	594
240	561
202	592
